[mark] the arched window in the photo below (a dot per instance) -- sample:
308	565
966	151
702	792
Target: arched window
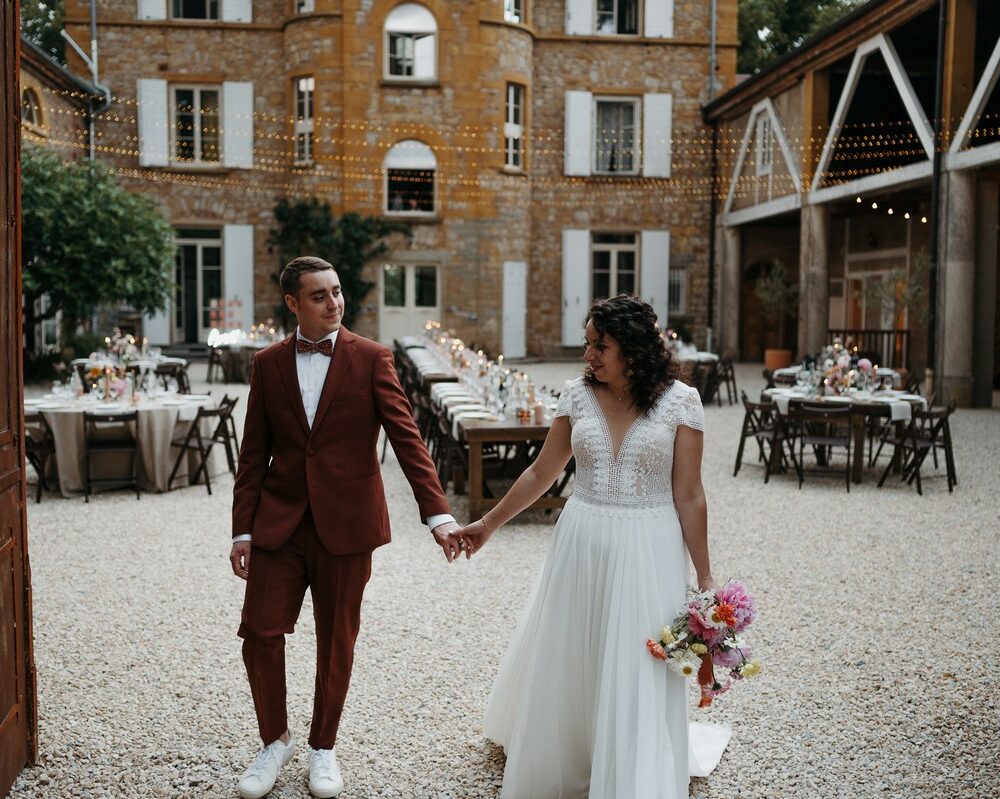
31	108
410	43
410	168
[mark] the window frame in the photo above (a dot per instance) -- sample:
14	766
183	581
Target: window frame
197	162
764	141
514	12
217	4
636	102
304	125
639	21
513	131
412	37
212	237
680	277
614	248
402	212
304	6
37	121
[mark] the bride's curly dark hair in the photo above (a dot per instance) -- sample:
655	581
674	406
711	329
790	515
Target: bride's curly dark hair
632	323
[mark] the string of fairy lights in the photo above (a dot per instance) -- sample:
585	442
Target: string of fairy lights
349	155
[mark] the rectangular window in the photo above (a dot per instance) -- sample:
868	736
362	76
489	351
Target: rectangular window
304	94
410	191
425	293
411	55
617	17
677	292
765	145
513	129
394	286
614	258
615	150
195	9
195	125
513	10
305	6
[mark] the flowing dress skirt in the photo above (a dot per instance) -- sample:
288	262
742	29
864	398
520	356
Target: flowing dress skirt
581	708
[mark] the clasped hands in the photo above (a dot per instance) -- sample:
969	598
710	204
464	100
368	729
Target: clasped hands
454	540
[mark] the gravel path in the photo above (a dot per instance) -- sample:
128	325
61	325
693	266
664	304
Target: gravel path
876	631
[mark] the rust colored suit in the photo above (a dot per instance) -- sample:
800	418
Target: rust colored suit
313	501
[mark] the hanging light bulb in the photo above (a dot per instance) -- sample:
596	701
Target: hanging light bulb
906	215
874	206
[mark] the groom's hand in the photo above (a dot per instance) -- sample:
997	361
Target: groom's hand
448	542
239	559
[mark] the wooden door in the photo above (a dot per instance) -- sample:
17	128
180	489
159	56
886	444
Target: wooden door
18	720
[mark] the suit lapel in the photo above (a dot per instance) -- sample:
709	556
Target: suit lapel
343	352
290	382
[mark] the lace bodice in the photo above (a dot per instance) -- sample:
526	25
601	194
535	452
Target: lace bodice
640	476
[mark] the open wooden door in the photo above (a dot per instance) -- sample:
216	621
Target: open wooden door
18	720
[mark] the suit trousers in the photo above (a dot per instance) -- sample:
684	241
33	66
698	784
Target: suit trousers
276	586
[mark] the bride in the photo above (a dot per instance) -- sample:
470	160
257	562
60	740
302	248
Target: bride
580	707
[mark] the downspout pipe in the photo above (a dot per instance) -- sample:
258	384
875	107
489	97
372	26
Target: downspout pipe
713	68
932	299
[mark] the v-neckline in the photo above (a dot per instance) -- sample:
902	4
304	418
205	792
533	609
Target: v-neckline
615	455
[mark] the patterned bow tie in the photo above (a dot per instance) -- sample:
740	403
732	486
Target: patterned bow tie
324	347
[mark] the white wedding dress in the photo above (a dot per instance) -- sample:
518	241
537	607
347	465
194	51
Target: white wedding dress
581	708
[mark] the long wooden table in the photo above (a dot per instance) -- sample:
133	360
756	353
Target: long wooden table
861	412
478	432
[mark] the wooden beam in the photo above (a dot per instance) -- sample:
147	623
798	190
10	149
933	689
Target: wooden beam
959	66
815	107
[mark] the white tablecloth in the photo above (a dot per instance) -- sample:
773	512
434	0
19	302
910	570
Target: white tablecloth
900	404
160	421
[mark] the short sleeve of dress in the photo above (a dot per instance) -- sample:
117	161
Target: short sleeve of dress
690	411
565	406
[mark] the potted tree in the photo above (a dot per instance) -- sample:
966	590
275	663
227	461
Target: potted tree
778	298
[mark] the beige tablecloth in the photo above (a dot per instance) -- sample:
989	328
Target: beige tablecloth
160	421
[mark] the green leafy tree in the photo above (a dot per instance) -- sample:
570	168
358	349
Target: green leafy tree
778	296
769	29
41	23
350	242
86	241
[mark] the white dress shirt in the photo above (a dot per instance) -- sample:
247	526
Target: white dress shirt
311	369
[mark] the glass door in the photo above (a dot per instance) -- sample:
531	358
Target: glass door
409	296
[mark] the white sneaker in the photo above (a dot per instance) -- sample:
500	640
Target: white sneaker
325	781
259	778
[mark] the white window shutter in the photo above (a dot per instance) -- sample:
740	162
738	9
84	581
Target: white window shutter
657	132
660	19
579	121
654	275
237	124
156	327
152	9
238	271
151	110
515	305
237	10
580	17
576	285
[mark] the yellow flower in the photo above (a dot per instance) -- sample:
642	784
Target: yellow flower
667	636
699	649
751	669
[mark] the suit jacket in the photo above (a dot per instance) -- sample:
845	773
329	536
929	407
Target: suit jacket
285	467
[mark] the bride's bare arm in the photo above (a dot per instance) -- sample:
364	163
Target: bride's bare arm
689	499
533	482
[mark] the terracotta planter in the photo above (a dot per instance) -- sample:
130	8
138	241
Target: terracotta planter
777	359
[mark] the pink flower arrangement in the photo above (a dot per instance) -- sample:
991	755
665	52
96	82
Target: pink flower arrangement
708	633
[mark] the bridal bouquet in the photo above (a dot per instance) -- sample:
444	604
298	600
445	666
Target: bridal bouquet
707	634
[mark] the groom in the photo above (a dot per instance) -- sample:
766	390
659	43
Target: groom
309	508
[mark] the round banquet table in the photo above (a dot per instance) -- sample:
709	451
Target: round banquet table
161	420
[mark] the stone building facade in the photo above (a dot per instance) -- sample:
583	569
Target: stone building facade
544	152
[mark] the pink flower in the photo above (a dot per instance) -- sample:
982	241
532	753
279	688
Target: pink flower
743	604
731	658
864	365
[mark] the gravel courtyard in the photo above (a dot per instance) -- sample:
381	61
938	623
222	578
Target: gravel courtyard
877	625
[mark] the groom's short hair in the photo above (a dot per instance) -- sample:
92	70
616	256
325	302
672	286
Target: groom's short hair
293	271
